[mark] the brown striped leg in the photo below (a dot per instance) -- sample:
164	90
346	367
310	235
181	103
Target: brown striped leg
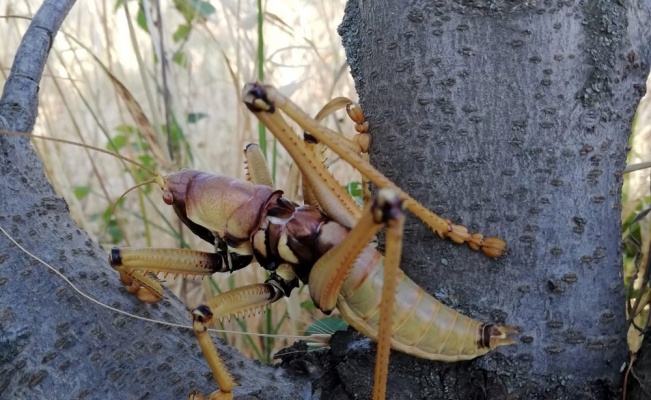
394	218
243	300
136	267
331	197
330	271
360	143
363	140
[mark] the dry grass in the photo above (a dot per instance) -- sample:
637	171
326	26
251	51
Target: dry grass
79	102
636	202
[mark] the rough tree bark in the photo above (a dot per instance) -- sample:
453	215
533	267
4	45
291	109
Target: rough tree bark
511	117
54	343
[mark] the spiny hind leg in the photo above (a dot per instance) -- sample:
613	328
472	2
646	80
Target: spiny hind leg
264	100
330	271
360	143
257	170
332	198
243	300
332	268
363	140
391	211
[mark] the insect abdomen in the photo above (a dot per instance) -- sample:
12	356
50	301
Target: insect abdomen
423	326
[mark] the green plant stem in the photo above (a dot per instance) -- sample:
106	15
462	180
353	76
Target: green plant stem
143	209
262	139
262	134
273	161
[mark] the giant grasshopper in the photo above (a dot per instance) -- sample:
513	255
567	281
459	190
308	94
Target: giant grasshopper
324	244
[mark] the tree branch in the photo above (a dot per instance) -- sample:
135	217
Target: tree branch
54	343
19	101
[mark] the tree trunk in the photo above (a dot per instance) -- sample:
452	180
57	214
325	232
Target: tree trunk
511	118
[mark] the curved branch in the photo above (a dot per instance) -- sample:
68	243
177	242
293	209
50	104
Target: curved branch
19	101
54	343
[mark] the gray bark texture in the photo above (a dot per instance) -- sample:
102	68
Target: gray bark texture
54	343
511	117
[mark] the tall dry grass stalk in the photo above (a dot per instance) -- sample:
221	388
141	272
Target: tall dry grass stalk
199	75
636	201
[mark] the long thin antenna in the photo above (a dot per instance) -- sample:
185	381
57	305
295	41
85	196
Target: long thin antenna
111	153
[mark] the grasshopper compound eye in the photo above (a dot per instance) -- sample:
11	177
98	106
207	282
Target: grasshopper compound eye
168	197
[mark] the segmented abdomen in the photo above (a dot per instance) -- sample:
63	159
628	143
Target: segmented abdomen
422	325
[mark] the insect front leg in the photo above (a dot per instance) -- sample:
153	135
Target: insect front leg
136	265
389	209
265	101
331	197
243	300
360	143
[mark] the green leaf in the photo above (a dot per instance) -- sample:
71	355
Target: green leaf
190	9
194	117
81	192
117	142
112	227
141	175
186	10
120	3
178	138
203	7
326	325
114	232
181	59
354	189
125	129
107	215
308	305
148	161
142	20
182	32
